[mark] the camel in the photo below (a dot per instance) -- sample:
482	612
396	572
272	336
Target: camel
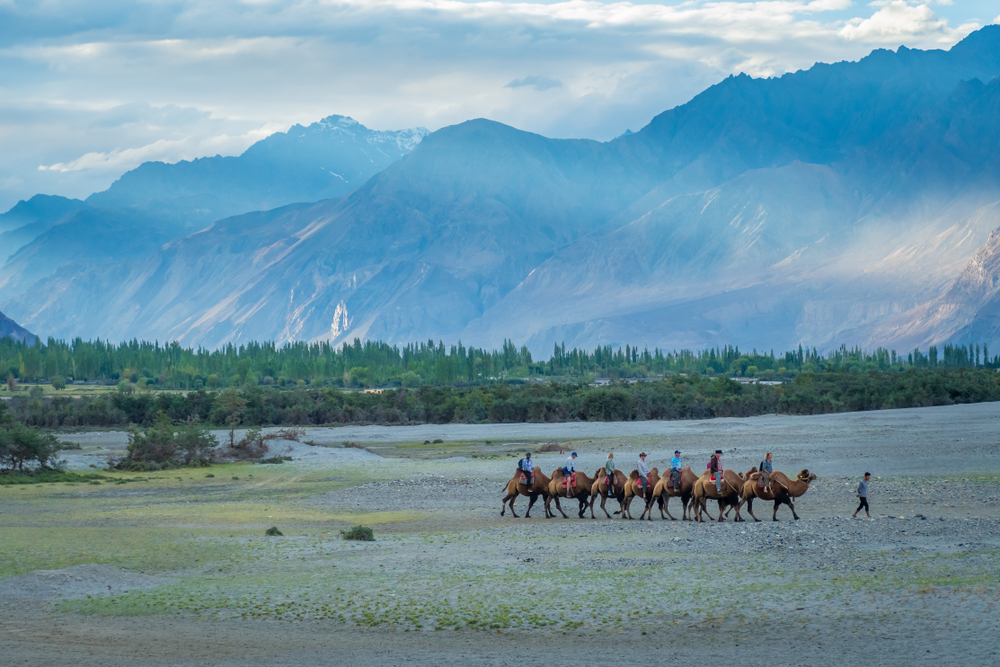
633	487
581	491
601	489
662	493
783	490
704	490
540	487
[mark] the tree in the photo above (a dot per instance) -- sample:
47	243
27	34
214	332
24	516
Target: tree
11	382
58	383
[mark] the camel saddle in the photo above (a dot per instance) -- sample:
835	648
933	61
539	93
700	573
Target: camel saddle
569	481
763	480
649	482
608	482
525	480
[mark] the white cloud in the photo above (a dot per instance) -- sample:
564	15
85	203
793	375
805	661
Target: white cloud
89	89
899	20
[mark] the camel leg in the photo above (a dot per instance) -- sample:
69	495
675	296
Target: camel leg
604	499
687	507
665	507
791	506
559	507
703	508
582	498
511	497
531	501
722	506
777	504
750	509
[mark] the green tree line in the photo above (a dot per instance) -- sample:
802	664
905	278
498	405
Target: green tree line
675	397
378	364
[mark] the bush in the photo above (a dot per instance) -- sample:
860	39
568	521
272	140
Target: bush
252	445
363	533
58	382
20	444
273	531
169	446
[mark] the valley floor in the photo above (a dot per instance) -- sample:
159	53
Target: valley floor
173	568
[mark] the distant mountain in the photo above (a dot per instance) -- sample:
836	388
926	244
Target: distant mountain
27	220
815	208
325	160
9	327
158	202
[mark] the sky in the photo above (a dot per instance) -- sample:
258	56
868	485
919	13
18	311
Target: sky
91	88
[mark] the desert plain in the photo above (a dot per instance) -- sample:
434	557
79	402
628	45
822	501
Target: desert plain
173	567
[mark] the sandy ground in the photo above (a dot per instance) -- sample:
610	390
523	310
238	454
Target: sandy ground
448	581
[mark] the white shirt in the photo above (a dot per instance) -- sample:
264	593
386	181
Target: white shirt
643	468
570	465
528	465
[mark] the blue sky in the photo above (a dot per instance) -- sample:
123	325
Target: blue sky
90	89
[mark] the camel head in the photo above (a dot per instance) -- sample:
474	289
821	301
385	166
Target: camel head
806	476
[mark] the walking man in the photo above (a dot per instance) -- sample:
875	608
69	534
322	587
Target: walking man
643	473
863	495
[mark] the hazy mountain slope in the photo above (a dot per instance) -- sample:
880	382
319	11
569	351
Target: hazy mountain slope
27	220
324	160
812	208
421	249
9	327
159	202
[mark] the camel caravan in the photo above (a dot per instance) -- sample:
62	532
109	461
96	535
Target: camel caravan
645	488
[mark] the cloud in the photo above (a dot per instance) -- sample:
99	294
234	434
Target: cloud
88	89
535	81
898	20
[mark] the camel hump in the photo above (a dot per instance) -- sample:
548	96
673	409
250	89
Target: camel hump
634	474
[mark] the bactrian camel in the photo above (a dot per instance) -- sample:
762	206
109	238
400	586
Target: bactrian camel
540	487
633	489
705	490
601	489
663	492
581	491
782	490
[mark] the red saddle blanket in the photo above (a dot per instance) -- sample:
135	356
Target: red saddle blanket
571	480
524	478
607	482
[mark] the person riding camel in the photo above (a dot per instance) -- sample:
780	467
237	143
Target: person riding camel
609	471
527	469
715	467
569	473
643	472
765	474
675	470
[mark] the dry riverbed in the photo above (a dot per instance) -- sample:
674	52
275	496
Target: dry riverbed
173	568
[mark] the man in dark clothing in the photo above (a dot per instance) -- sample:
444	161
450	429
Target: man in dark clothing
863	495
715	467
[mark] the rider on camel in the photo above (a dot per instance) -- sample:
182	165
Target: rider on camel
643	473
675	470
609	471
715	467
765	473
569	472
528	469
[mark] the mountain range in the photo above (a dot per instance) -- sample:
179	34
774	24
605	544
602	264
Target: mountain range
850	203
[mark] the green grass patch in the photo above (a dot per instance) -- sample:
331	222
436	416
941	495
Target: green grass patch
51	477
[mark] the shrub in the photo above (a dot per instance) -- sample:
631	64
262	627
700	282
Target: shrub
58	382
363	533
167	445
252	445
273	531
438	441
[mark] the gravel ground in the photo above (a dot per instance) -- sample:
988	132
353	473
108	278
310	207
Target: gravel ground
457	584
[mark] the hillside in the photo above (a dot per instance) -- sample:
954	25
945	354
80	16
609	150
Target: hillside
811	208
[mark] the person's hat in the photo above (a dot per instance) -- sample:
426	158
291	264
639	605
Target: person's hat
641	455
574	454
718	451
528	454
677	451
